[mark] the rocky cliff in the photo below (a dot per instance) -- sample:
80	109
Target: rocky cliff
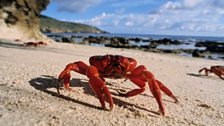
19	19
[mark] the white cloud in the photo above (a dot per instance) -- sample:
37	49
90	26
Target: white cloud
100	20
171	5
192	3
129	23
75	5
182	16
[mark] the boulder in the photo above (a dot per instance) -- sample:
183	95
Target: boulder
212	46
166	41
20	18
215	48
135	39
119	42
198	53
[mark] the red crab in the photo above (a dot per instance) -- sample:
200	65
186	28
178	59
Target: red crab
116	67
217	70
35	44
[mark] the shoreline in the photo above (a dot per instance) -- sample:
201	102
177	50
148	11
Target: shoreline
28	95
202	47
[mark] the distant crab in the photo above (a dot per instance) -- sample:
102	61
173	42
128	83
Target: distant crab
217	70
35	44
115	67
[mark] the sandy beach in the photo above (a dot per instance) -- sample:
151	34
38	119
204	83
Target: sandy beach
28	96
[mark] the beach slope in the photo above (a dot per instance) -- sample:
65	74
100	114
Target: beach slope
28	96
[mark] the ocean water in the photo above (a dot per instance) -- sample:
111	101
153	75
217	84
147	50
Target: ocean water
155	37
188	41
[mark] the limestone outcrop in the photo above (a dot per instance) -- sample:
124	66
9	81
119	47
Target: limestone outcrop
19	19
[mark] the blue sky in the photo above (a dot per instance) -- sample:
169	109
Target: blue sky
169	17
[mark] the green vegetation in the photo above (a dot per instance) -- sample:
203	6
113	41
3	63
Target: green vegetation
52	25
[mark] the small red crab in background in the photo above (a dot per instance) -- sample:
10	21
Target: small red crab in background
217	70
115	67
35	44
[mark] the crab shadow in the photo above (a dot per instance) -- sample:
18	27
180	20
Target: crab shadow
45	82
196	75
202	76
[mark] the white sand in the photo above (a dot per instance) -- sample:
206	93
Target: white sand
21	33
28	96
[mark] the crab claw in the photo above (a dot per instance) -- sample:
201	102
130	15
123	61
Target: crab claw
64	78
99	87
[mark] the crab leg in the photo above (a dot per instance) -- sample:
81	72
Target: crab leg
99	87
155	89
139	76
166	91
140	84
65	75
206	71
220	76
97	84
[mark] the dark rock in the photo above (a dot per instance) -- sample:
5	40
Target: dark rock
204	44
92	39
221	57
135	39
145	46
79	36
211	46
67	39
119	40
146	40
198	53
216	48
188	51
176	42
174	51
153	45
166	41
150	46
